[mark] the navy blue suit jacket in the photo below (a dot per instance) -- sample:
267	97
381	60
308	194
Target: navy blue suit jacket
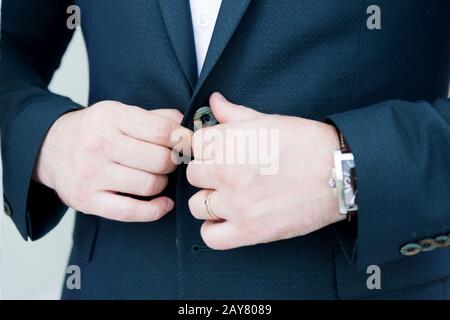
385	89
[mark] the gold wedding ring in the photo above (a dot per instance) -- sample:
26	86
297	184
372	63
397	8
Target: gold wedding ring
210	214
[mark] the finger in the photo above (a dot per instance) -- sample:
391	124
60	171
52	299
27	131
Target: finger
221	235
142	155
204	174
173	114
199	209
151	127
121	208
209	143
181	139
225	111
122	179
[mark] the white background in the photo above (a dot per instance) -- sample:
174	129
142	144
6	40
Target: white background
35	270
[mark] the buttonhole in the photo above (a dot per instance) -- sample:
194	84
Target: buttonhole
196	248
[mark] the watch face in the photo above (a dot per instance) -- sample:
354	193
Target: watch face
349	179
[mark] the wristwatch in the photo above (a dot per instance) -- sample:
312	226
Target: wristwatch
343	181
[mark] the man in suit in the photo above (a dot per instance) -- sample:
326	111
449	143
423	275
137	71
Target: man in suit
342	86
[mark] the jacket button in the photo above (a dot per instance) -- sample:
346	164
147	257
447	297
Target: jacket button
6	208
427	245
411	249
204	118
442	241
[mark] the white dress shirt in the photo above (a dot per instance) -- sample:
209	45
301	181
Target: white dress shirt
204	15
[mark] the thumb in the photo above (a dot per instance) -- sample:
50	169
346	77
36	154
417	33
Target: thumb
226	111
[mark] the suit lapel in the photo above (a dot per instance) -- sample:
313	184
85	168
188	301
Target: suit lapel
231	13
177	18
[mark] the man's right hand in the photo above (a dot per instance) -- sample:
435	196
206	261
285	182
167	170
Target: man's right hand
94	157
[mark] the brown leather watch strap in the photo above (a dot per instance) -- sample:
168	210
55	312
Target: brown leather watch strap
342	143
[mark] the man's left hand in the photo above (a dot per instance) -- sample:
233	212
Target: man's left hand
246	205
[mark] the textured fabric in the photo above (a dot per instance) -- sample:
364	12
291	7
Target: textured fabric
385	89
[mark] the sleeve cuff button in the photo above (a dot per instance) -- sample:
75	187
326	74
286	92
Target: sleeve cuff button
442	241
411	249
427	245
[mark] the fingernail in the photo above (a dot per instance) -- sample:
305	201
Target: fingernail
169	205
219	96
180	118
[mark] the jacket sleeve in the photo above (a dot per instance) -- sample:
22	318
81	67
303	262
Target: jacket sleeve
402	158
34	37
